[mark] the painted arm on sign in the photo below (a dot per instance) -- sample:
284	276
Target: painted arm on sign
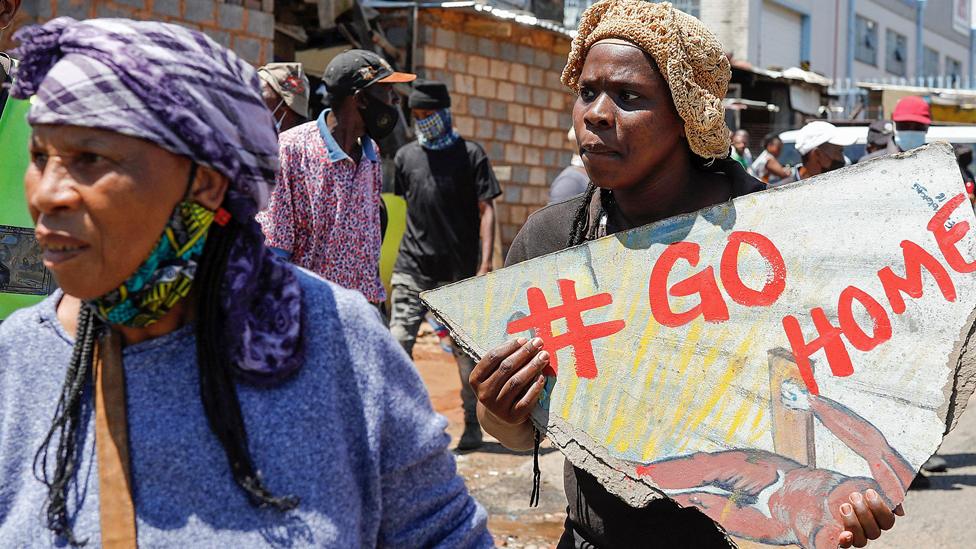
508	381
888	467
865	514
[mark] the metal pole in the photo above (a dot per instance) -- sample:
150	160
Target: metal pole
972	59
414	33
849	59
920	41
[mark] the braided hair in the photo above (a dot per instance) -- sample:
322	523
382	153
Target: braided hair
218	390
578	232
67	418
218	394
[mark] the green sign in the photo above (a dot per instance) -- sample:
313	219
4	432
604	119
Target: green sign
23	279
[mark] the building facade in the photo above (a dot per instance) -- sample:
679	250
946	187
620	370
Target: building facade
927	42
246	26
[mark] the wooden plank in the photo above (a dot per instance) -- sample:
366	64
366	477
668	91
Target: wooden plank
793	434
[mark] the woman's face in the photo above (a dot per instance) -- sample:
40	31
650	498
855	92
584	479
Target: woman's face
626	125
100	201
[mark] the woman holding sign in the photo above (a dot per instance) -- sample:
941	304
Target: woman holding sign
650	126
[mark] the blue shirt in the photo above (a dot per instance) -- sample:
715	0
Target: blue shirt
352	434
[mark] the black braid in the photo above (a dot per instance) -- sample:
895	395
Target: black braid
217	388
67	418
578	233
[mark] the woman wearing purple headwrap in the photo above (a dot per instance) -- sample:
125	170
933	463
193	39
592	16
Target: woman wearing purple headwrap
151	153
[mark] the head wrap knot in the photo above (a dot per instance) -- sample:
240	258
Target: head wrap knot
688	55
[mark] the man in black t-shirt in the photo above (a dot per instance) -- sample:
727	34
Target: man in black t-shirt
449	187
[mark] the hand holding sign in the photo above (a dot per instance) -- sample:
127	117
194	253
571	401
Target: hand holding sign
800	366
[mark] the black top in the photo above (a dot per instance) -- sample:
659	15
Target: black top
442	189
569	183
597	518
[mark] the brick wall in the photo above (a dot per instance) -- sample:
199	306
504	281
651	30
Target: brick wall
504	81
247	26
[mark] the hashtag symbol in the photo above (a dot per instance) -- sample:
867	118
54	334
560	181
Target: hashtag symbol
578	336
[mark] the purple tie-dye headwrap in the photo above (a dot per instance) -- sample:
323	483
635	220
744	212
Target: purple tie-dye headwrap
181	90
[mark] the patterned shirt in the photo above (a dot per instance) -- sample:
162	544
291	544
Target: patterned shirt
325	209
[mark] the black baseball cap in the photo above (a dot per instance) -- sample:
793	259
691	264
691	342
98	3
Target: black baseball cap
881	132
355	70
429	94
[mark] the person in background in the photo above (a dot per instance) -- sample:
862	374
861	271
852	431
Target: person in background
912	119
8	8
324	214
767	167
964	157
13	163
821	147
573	179
449	187
740	149
881	140
284	89
186	387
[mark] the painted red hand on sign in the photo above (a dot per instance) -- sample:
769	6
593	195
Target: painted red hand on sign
578	336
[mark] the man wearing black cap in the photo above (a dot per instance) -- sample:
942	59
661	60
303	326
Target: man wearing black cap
449	187
324	214
881	140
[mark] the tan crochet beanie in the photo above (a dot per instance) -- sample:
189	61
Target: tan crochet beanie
689	56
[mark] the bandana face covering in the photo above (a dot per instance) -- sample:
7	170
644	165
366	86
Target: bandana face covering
166	277
436	132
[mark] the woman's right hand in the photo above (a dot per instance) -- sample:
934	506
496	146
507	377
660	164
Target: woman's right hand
508	381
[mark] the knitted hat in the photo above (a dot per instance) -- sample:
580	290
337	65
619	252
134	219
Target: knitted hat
689	56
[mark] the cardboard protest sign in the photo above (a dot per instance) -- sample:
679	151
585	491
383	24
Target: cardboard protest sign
760	359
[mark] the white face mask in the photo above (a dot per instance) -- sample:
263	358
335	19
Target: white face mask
909	139
279	120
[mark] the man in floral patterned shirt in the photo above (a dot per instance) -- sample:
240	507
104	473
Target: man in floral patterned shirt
324	214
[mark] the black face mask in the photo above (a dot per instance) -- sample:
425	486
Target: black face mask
835	165
379	117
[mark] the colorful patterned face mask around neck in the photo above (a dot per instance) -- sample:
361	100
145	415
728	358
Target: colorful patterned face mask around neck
166	276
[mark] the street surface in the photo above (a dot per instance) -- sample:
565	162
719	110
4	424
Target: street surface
940	517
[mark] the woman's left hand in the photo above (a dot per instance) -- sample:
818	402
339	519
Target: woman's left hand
865	517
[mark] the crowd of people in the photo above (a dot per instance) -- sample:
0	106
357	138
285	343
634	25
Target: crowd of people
221	364
821	146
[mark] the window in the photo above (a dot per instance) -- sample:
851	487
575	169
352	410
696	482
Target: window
691	7
866	45
930	62
953	72
896	52
573	9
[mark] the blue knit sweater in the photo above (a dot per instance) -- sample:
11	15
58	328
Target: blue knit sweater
352	434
